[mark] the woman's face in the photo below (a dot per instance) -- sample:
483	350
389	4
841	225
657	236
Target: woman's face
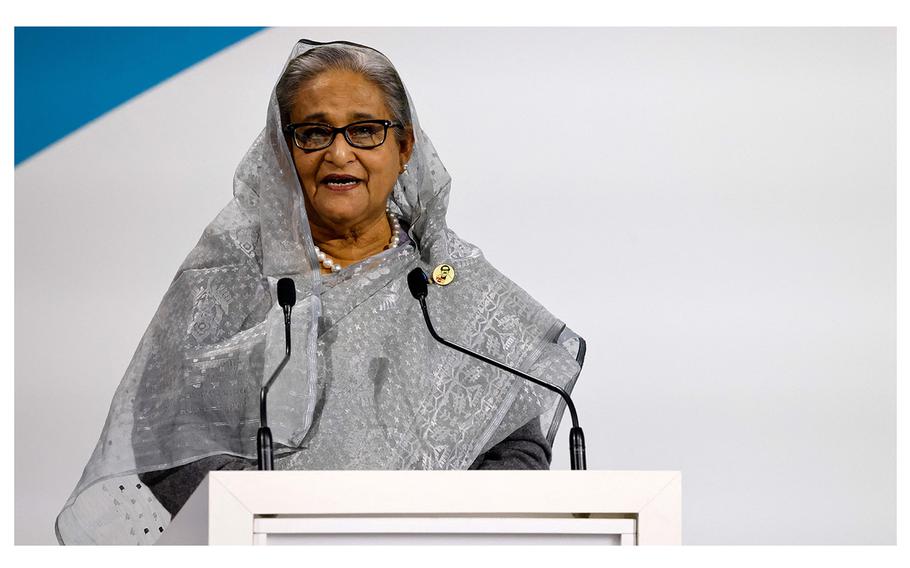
339	98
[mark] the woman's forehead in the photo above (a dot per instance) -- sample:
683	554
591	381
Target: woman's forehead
339	95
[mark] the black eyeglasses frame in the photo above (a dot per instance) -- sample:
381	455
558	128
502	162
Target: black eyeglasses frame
291	128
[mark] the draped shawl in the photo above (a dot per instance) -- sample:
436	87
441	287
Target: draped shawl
366	386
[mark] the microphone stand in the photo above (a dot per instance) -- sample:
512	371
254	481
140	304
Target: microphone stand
576	435
264	448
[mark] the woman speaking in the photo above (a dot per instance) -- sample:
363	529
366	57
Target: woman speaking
343	193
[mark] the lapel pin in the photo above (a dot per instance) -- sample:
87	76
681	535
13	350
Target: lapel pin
443	274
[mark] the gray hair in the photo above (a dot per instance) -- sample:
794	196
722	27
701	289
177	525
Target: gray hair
369	63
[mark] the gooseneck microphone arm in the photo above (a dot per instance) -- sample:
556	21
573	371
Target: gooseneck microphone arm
287	297
417	282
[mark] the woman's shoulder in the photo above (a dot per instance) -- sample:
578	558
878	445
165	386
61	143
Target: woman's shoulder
475	274
484	306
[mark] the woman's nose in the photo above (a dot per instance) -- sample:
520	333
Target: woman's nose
339	152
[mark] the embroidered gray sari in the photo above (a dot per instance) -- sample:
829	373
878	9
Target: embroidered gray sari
366	386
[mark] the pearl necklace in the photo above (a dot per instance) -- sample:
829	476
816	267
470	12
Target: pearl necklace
335	267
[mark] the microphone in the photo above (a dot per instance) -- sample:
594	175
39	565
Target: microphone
287	297
417	283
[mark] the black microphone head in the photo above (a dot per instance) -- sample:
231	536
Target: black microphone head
287	293
417	282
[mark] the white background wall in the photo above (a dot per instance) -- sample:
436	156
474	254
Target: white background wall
712	209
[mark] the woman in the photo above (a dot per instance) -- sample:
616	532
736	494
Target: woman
344	193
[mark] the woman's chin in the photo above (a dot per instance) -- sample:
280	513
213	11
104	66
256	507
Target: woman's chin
344	208
341	207
343	217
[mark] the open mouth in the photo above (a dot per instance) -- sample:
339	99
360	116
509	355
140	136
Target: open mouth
340	182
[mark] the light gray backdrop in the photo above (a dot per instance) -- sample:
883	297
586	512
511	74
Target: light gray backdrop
712	209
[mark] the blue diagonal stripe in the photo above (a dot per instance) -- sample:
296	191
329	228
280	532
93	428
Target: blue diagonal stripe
66	77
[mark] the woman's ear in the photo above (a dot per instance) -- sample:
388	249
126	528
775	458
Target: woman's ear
406	147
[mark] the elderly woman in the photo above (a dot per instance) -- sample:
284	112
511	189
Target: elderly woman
344	193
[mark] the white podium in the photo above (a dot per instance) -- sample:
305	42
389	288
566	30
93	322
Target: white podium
432	507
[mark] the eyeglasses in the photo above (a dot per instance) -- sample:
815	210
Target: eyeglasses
365	134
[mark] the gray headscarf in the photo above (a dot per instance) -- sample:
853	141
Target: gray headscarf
366	386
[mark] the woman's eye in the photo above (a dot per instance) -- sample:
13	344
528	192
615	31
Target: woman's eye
314	132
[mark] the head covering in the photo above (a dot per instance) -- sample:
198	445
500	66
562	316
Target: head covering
366	386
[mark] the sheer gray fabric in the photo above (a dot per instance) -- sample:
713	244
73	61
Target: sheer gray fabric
366	386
